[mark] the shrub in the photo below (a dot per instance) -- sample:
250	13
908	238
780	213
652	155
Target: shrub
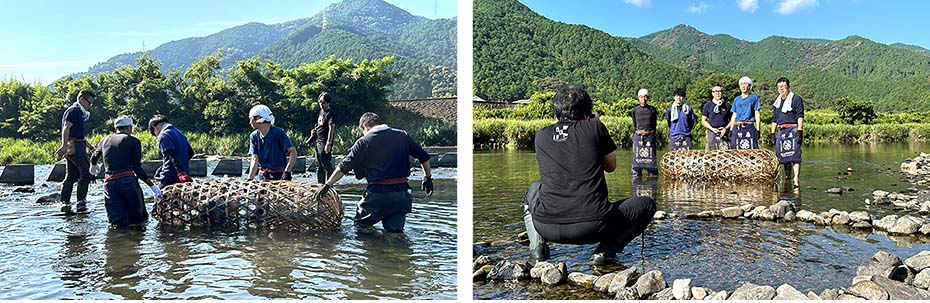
855	111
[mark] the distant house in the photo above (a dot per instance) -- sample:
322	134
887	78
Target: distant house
478	102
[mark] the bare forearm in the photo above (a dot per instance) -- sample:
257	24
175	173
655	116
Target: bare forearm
427	172
337	174
253	168
292	159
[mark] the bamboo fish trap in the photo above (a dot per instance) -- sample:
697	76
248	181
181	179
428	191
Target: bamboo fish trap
712	165
237	202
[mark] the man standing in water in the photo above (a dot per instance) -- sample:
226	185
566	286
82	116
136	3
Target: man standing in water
680	119
74	149
745	122
122	157
644	136
268	146
324	132
715	116
175	150
381	156
788	121
569	202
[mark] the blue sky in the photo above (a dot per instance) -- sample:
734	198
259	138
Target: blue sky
46	39
881	21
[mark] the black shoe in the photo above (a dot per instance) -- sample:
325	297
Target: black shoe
66	208
603	258
81	206
541	253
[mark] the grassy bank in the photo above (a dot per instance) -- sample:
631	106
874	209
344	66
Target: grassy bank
26	151
519	134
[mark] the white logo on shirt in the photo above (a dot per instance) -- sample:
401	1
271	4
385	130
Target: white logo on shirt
560	134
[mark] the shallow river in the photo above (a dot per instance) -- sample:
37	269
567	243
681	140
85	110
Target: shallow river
717	254
79	257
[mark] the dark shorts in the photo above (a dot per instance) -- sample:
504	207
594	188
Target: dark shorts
389	208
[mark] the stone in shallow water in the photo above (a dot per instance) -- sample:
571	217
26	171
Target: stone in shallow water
847	297
749	291
919	262
860	216
870	290
650	283
659	215
781	208
699	293
922	280
789	216
510	270
621	280
540	268
885	223
906	225
788	292
480	261
835	191
720	295
829	294
553	276
731	212
664	295
581	279
812	296
862	225
899	290
841	219
681	289
882	264
746	207
805	215
627	293
602	283
481	274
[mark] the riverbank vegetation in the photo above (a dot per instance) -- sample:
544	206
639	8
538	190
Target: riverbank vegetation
209	104
854	121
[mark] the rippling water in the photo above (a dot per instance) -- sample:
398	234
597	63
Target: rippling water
80	257
717	254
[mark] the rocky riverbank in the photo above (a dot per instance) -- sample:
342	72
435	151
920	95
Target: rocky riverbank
883	277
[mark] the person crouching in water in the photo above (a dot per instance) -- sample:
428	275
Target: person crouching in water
680	119
788	128
122	157
382	157
268	146
569	202
176	152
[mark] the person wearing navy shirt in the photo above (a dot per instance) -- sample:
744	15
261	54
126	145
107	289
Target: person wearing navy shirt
74	149
176	151
680	117
788	126
745	122
715	116
273	154
381	156
122	157
569	204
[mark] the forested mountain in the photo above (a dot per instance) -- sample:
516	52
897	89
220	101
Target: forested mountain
518	52
424	49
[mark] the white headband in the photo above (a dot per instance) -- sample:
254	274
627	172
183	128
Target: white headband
745	79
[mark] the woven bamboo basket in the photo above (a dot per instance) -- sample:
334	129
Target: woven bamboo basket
712	165
244	203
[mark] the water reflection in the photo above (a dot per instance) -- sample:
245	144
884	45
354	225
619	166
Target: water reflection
122	250
684	196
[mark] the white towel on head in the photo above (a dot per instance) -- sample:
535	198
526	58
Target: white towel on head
263	112
786	105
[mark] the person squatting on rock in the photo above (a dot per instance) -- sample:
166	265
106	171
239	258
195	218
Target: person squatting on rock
569	204
715	116
788	128
381	156
122	157
324	133
745	122
680	117
268	146
74	149
645	117
176	152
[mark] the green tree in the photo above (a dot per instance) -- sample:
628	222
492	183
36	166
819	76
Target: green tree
855	111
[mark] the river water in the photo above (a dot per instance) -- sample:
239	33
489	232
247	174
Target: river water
721	255
49	257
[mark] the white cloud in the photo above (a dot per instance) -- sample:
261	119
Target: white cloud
638	3
787	7
697	9
748	5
